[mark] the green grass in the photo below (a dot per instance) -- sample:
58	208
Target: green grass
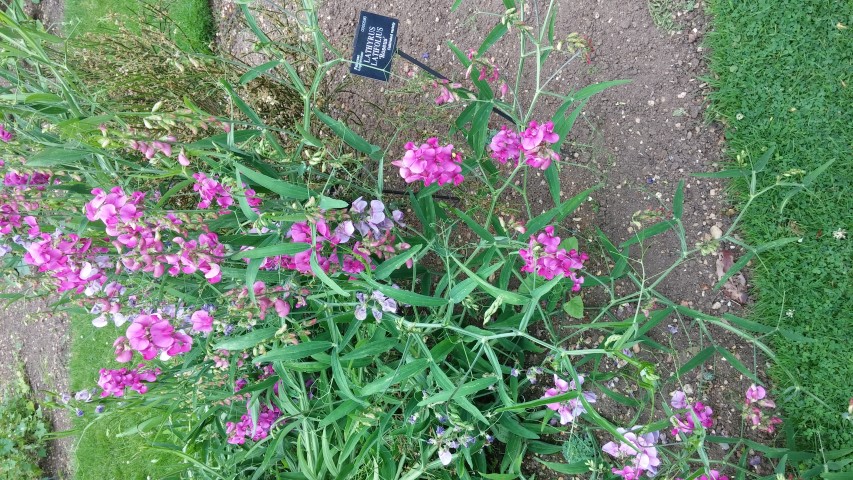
190	21
99	453
783	77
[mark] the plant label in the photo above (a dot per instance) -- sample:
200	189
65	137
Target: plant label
375	44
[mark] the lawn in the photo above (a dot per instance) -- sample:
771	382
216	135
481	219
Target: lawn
92	349
783	78
190	21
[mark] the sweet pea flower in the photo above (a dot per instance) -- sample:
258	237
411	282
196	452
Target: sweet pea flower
755	393
5	135
679	400
202	321
430	163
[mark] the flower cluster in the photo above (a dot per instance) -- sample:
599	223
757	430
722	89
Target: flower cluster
115	382
375	238
545	258
639	451
22	180
684	422
212	192
237	432
534	144
266	298
377	302
140	241
431	163
67	258
450	438
754	413
446	91
149	149
572	408
150	334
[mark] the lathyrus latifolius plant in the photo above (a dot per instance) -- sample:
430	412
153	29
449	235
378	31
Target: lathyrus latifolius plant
283	333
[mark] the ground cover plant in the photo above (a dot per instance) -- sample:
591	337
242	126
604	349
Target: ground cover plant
23	430
278	319
782	82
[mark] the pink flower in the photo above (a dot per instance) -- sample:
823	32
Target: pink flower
755	393
123	351
115	382
202	321
5	135
639	450
544	258
627	472
534	143
430	163
505	145
182	159
570	409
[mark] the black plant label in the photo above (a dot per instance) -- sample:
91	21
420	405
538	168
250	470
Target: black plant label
375	44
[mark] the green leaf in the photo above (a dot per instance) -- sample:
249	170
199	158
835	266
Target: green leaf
722	174
341	411
289	353
398	376
678	201
242	105
273	250
476	227
761	164
256	72
508	297
247	340
327	203
516	428
371	348
51	157
574	308
569	468
406	297
694	362
388	266
648	232
465	390
284	189
737	364
465	287
556	214
497	32
350	137
318	271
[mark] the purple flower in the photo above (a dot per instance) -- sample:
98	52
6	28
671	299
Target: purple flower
445	456
83	396
79	412
679	400
5	135
513	372
99	409
439	430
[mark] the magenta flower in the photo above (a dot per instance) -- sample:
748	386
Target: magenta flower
430	163
202	321
684	422
544	258
5	135
115	382
755	393
534	143
268	417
